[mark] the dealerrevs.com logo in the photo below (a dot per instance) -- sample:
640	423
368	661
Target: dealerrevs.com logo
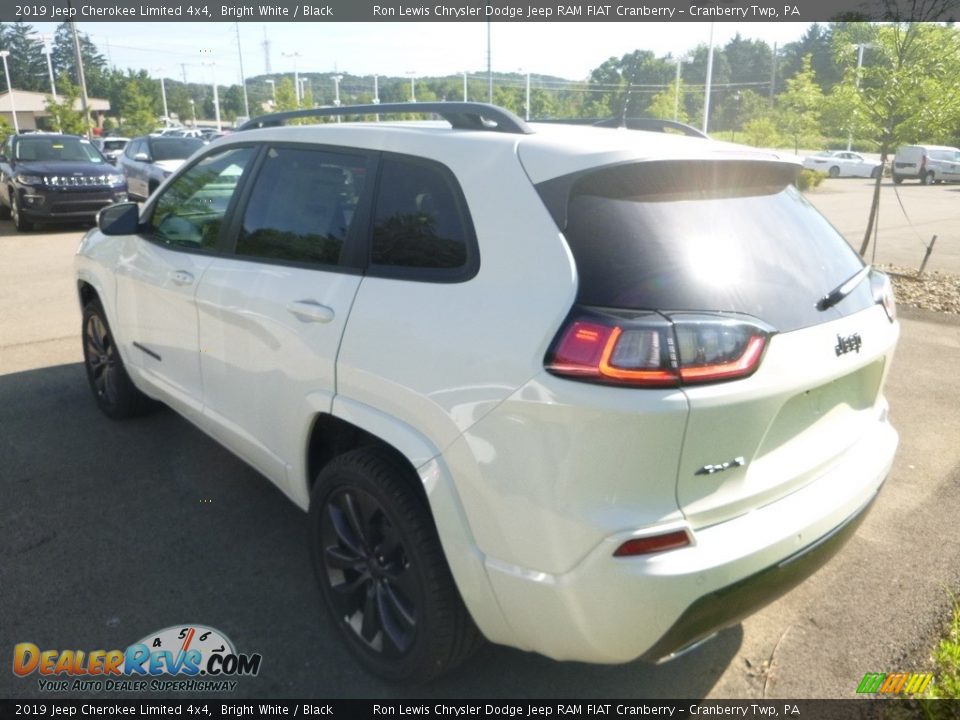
200	658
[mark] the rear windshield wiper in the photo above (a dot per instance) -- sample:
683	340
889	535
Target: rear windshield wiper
841	291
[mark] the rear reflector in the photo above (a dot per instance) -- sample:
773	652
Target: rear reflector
653	544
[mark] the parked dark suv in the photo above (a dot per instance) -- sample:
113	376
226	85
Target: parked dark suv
55	178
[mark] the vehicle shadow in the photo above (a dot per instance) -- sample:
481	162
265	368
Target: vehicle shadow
111	531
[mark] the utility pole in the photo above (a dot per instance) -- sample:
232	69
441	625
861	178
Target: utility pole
489	68
13	108
773	74
706	99
85	104
296	73
243	80
465	87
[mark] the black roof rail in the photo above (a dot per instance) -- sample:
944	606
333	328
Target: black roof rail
460	115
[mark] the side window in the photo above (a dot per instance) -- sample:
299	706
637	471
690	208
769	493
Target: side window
302	205
131	149
419	219
190	211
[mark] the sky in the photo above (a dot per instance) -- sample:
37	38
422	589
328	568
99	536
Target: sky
563	49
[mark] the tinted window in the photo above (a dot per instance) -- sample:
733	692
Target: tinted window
302	206
133	147
699	236
173	148
419	220
190	211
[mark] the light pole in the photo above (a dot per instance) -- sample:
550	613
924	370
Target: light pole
84	100
193	111
296	73
413	76
303	91
13	108
465	87
273	88
676	99
163	94
216	94
860	47
706	99
376	89
47	50
527	105
489	67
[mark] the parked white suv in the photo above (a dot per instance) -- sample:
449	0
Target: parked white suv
589	392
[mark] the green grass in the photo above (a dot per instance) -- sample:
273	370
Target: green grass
946	655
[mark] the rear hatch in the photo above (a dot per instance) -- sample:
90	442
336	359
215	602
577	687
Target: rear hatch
722	279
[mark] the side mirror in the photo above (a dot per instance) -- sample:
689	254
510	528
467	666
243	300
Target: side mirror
119	219
142	157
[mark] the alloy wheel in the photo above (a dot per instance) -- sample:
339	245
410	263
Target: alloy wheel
369	572
101	357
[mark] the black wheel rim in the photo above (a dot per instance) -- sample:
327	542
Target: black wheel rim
101	357
369	574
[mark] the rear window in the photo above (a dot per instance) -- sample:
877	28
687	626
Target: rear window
725	236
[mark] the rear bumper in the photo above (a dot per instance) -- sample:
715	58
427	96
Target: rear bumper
728	606
620	609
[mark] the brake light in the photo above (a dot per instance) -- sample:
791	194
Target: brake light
654	350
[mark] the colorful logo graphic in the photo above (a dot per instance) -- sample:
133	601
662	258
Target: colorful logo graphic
894	683
186	651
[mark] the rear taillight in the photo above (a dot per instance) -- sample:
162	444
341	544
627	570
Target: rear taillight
654	350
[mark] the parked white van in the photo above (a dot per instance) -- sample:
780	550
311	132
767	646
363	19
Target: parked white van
927	163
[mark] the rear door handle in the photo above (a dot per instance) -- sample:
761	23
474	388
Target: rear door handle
181	277
310	311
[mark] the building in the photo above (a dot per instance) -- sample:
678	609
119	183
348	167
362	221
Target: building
31	109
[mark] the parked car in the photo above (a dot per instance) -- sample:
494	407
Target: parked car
55	178
927	163
840	163
586	393
148	161
112	147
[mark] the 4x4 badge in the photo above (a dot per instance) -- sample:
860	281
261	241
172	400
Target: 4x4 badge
847	344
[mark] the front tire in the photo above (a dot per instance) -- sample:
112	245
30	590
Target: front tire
19	221
897	179
834	172
382	572
115	394
927	178
876	172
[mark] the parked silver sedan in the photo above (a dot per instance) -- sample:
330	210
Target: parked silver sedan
841	163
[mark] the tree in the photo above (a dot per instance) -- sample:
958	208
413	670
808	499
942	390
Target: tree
28	68
800	104
664	103
64	114
95	70
907	93
138	106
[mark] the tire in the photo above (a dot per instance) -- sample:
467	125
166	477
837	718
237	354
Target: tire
897	179
876	172
19	221
382	573
5	209
834	172
115	394
926	178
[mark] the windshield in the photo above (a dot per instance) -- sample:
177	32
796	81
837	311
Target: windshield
114	144
174	148
59	149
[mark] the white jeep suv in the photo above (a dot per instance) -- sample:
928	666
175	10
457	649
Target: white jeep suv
593	393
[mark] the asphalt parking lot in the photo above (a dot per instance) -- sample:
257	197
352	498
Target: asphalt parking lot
110	531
